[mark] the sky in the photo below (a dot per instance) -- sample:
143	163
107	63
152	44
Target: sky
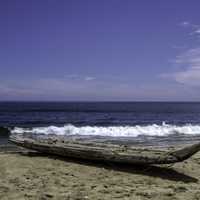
99	50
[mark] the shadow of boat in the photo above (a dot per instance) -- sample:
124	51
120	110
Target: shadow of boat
162	172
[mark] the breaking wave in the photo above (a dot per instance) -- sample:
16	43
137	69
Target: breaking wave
114	131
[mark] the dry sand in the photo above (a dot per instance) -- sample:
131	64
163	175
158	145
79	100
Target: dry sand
37	176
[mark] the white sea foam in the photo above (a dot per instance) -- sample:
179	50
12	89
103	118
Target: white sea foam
114	131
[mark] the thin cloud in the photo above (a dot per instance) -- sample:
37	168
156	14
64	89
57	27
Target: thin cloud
196	32
191	74
190	68
185	24
89	78
178	46
194	28
77	77
66	89
188	61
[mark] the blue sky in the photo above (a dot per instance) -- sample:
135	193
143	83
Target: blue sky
100	50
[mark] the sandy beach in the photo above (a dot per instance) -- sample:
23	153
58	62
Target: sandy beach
37	176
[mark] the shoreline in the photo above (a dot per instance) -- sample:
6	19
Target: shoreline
35	176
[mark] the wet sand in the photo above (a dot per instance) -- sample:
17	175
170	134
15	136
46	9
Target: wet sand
37	176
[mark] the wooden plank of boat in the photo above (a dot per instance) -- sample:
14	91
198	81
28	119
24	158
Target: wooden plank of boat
106	152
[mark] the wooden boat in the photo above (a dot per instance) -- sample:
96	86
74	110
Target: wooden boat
105	152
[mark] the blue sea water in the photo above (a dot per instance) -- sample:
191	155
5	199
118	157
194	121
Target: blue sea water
143	120
33	114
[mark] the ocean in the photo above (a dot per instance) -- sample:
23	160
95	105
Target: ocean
142	123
